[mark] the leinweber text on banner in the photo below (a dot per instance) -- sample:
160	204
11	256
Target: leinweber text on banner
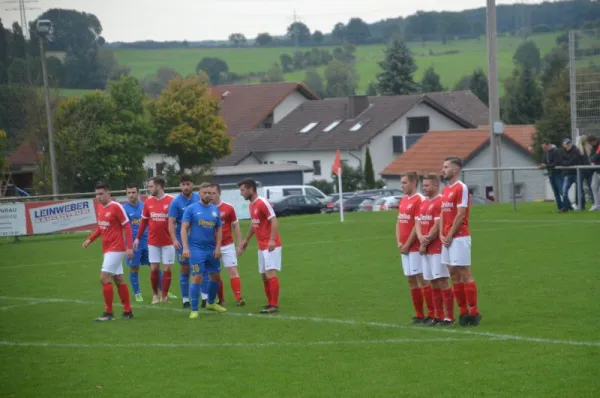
12	219
62	216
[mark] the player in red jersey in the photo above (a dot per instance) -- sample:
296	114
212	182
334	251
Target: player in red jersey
406	237
456	240
266	228
115	230
229	222
428	233
160	245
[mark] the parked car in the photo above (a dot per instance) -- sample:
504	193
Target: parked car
367	203
380	192
332	199
295	205
278	192
386	203
478	200
351	203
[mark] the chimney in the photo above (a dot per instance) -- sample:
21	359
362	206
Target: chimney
357	104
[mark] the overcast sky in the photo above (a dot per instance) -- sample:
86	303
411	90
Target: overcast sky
131	20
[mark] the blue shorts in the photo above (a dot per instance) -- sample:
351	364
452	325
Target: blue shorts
140	257
203	262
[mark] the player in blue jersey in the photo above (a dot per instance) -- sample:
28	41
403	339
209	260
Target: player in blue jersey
176	210
201	233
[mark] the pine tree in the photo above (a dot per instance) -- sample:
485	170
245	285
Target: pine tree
431	82
479	85
3	45
372	89
369	172
523	101
398	68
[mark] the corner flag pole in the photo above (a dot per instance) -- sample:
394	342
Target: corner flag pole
341	196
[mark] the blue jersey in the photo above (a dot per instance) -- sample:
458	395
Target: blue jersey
134	214
177	208
204	221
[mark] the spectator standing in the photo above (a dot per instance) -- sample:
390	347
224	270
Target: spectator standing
551	159
594	158
571	157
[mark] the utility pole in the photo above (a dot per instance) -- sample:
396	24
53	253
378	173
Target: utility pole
493	99
22	13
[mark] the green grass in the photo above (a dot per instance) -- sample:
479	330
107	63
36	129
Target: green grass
342	328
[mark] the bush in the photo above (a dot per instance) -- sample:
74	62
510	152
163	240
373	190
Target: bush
325	186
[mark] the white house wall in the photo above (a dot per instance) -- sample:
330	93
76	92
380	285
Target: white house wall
151	161
290	103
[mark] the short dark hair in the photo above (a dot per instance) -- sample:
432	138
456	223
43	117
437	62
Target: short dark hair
205	185
546	141
185	178
217	187
159	180
411	175
592	138
132	185
248	183
102	185
454	160
432	177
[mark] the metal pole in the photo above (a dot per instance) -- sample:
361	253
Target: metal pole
55	190
579	191
573	84
514	195
493	99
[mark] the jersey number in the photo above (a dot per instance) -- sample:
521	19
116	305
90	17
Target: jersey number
195	268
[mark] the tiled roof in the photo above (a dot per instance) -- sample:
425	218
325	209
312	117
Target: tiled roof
244	106
26	153
428	153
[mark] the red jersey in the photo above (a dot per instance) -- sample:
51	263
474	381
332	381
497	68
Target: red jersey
429	214
111	221
453	197
156	211
408	211
228	218
261	213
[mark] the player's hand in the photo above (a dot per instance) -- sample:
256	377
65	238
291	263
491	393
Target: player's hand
86	243
244	245
404	249
177	245
217	253
271	245
129	253
423	250
136	243
447	241
185	253
239	250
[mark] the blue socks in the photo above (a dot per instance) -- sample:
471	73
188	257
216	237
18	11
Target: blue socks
195	295
134	279
204	286
213	288
184	282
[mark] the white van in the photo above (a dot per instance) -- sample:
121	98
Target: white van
277	192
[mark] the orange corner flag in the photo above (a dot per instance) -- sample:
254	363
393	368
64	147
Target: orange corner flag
337	164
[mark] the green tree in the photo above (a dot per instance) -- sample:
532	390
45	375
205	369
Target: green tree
398	68
477	82
17	47
372	89
4	36
352	178
237	39
341	79
274	74
299	33
528	56
369	171
263	39
189	127
17	71
339	32
318	37
73	31
523	98
314	82
553	64
3	151
215	68
357	31
287	63
323	185
431	82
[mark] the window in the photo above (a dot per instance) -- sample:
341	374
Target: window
360	124
317	167
398	144
160	168
331	126
312	201
292	162
418	125
309	127
292	191
473	190
518	190
310	191
150	172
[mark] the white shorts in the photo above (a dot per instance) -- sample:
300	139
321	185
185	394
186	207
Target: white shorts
433	268
412	263
228	256
268	261
113	263
459	252
164	254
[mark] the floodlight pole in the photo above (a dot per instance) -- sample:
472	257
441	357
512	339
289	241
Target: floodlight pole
493	97
55	190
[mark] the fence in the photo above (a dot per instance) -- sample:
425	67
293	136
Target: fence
525	184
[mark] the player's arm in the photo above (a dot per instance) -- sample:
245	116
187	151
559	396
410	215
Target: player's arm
461	213
185	232
235	225
270	213
172	227
418	230
398	233
92	237
435	230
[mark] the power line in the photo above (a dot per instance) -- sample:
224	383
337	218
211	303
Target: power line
22	13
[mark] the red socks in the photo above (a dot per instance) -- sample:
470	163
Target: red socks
267	291
428	295
459	294
438	303
471	297
448	303
166	283
274	289
107	292
417	298
236	287
154	281
124	295
220	291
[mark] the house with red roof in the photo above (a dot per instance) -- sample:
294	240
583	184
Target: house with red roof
473	146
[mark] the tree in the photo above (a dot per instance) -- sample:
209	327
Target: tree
398	68
318	37
352	178
215	68
477	82
17	48
431	82
72	31
314	82
341	79
528	55
357	31
4	51
3	151
299	60
339	32
264	39
17	71
237	39
274	74
323	185
372	89
369	171
299	33
523	98
164	75
189	127
553	64
287	63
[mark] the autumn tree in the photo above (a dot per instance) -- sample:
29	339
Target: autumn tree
189	127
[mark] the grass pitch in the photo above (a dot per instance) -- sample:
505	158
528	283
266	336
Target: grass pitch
342	330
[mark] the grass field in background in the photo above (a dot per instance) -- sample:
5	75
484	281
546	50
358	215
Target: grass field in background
342	329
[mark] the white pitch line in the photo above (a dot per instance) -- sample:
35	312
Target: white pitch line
491	335
10	307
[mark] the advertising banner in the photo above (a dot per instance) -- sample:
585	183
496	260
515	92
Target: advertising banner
12	220
62	216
